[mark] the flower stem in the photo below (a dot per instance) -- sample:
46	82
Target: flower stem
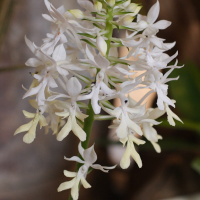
87	128
109	28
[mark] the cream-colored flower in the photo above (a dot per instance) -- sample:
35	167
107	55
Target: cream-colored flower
89	157
31	126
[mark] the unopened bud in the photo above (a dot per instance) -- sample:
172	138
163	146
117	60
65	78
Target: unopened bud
77	13
126	20
98	6
126	3
131	7
111	3
101	45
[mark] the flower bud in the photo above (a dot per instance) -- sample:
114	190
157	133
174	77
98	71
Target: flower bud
101	45
77	13
131	7
98	6
111	3
126	3
126	20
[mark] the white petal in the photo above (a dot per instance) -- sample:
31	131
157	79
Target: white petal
102	168
101	61
135	155
78	131
162	24
122	129
132	125
74	158
30	136
86	4
23	128
81	116
136	140
95	100
32	91
28	114
156	147
48	18
89	155
65	130
75	190
80	149
85	183
153	13
73	87
66	185
149	132
69	174
33	62
125	161
59	53
42	121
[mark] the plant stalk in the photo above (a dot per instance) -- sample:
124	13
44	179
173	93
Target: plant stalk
87	128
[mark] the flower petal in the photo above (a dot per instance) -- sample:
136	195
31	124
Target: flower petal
66	185
78	131
135	155
89	155
125	161
33	62
85	183
59	53
69	174
74	158
65	130
73	87
153	13
122	129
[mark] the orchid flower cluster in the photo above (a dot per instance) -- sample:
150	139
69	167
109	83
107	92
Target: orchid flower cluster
81	50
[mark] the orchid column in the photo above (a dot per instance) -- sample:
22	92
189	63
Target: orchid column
82	41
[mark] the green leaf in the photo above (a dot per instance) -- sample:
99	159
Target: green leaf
107	104
90	43
127	28
100	14
122	13
82	78
99	26
88	35
196	164
82	105
186	91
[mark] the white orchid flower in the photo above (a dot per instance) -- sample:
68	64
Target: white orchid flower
130	151
72	112
157	81
122	114
89	157
171	115
57	35
152	27
31	126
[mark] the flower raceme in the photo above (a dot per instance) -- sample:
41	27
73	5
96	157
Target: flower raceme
81	49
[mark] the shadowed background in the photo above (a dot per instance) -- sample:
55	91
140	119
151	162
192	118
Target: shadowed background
35	171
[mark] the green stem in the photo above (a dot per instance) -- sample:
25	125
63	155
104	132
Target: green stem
109	28
87	128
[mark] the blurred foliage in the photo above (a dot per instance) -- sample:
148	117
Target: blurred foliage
196	164
186	91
